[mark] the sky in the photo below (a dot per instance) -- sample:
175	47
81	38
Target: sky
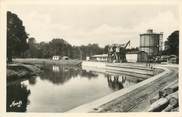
81	24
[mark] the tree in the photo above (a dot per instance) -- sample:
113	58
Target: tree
90	50
44	50
16	36
106	49
34	50
77	53
172	44
59	47
31	41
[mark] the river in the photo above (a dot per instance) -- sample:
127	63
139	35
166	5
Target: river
61	88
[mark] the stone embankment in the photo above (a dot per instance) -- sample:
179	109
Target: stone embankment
135	98
166	100
140	71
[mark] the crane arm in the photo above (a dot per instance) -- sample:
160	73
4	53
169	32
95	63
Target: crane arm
127	44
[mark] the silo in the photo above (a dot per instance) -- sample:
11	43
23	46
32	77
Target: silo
150	43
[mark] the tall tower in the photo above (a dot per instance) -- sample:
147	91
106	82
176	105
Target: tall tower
151	43
160	43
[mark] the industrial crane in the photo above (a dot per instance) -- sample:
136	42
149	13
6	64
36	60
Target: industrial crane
117	53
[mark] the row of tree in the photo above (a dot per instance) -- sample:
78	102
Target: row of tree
61	48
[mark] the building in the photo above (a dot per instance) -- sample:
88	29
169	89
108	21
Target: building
60	58
150	44
142	56
56	57
104	58
131	57
65	58
100	58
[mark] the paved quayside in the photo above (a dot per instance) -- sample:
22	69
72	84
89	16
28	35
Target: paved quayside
134	98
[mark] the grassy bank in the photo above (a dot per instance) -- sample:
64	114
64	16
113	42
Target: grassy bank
21	68
49	61
18	70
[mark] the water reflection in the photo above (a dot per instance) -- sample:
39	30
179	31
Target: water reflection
17	98
59	74
62	74
67	87
55	68
115	82
88	74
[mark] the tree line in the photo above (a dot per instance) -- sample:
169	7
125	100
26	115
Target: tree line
60	47
19	44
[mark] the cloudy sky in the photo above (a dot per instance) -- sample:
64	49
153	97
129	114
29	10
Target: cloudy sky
80	24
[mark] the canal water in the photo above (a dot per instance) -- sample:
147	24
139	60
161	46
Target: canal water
59	89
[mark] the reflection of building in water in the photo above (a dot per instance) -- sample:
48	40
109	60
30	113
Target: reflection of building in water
17	98
114	82
62	74
55	68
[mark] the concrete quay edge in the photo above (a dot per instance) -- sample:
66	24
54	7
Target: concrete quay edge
88	107
132	69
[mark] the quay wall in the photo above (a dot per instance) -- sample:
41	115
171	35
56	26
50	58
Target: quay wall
94	64
120	67
90	107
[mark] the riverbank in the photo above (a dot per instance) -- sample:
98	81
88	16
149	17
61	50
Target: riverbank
34	61
26	67
133	99
18	71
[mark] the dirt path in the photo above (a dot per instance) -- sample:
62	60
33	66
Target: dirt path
139	100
